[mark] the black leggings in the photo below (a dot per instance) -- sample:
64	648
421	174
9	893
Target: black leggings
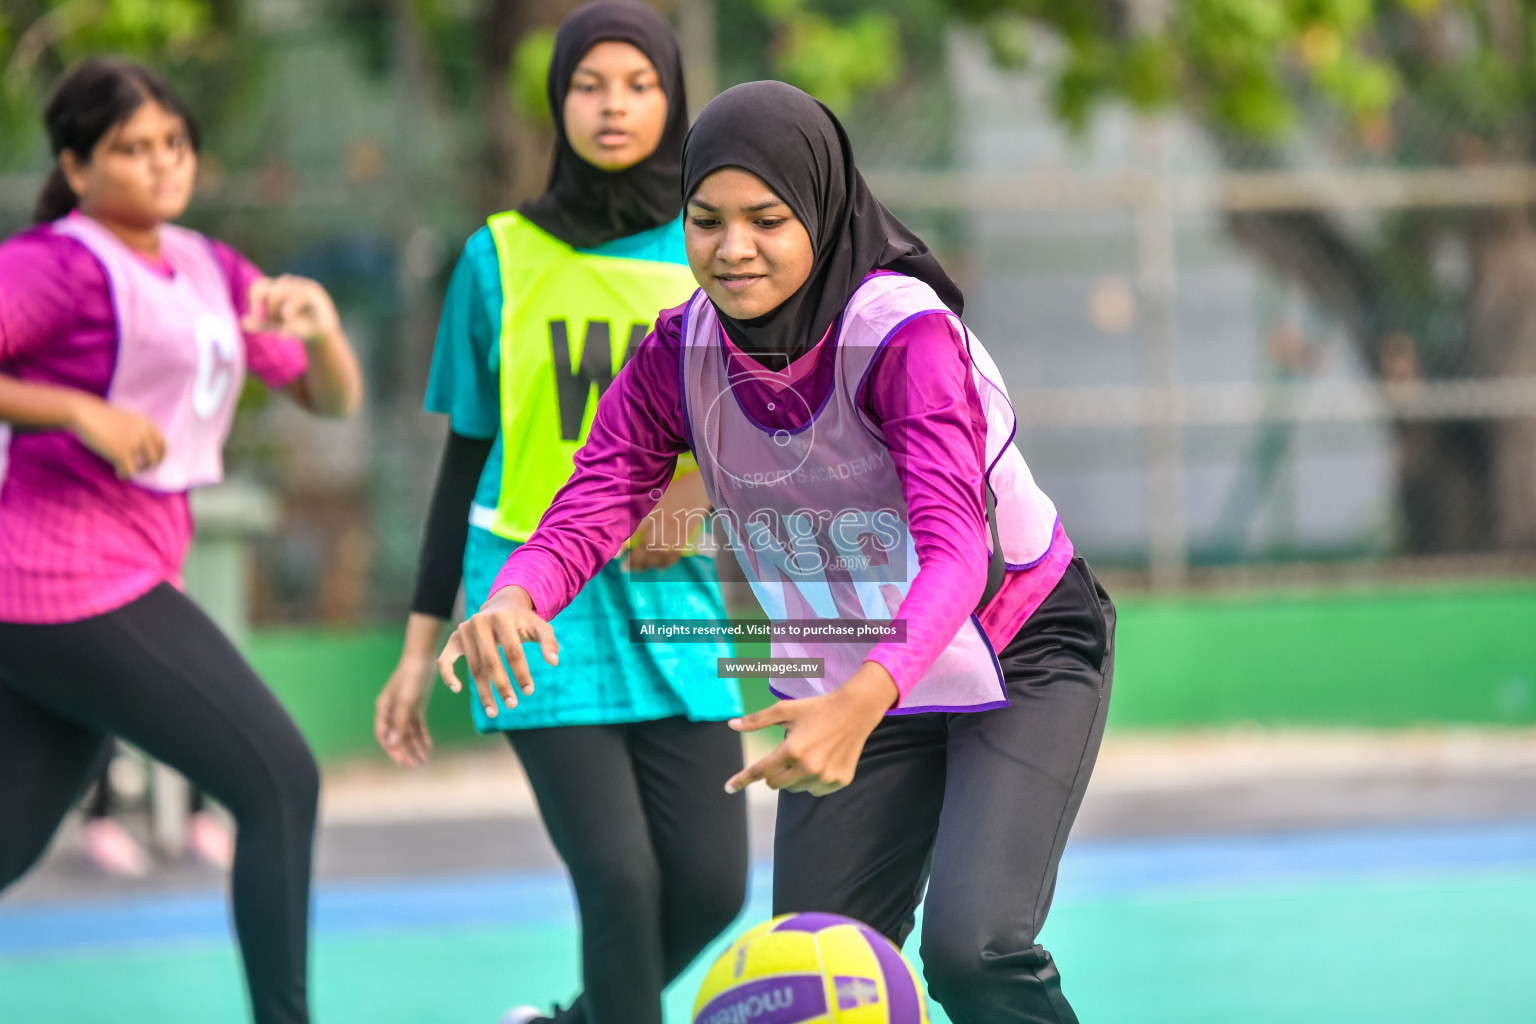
158	673
978	806
656	849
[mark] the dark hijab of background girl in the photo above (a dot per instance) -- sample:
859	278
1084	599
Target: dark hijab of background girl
583	205
90	100
799	149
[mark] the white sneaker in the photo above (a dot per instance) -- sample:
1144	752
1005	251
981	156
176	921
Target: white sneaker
523	1015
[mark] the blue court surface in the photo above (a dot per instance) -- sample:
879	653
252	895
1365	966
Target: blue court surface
1400	925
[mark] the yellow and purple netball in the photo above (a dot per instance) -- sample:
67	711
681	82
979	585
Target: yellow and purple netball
811	969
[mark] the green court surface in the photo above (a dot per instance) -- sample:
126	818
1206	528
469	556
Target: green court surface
1407	928
1406	952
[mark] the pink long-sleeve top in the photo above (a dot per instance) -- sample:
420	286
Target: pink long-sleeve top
933	420
76	541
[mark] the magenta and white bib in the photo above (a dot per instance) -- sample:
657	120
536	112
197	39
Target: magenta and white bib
180	353
817	515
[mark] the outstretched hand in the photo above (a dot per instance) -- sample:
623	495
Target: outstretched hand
499	628
823	736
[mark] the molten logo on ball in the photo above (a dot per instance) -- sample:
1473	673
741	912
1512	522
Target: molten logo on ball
774	1001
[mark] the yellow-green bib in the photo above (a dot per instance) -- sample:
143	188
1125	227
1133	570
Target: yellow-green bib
568	322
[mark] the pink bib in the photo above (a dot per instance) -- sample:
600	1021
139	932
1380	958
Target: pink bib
180	353
818	515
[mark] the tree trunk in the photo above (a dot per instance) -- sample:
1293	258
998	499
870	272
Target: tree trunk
1501	342
1462	486
515	162
506	21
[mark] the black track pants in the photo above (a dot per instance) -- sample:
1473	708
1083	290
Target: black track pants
979	806
656	849
160	674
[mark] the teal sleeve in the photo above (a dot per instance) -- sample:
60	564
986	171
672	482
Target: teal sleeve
464	382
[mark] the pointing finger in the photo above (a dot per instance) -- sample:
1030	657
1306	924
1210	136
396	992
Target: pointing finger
774	762
773	714
446	662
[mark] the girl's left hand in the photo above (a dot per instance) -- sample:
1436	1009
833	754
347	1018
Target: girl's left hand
291	305
665	532
823	736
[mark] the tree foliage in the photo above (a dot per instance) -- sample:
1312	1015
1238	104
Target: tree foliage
39	38
1257	69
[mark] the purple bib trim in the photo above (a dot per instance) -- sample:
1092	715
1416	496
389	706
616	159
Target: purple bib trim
682	366
1055	532
830	353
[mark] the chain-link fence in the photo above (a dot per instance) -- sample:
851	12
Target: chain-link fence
1192	405
1217	371
1201	384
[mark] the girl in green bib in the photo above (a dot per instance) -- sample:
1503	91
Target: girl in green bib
623	743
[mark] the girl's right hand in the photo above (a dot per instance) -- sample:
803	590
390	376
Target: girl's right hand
128	440
400	713
499	628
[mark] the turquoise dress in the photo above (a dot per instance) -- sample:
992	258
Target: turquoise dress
602	678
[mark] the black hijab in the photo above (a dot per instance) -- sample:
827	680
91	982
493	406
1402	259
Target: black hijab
799	149
582	205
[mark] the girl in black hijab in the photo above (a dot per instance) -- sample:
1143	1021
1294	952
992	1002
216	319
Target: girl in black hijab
823	379
621	742
798	148
585	205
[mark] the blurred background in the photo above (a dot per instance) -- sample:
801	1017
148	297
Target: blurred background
1261	276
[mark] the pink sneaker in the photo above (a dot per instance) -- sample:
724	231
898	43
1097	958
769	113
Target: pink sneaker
210	840
112	849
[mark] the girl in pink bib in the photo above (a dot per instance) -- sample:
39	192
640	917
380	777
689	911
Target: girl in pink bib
124	345
948	657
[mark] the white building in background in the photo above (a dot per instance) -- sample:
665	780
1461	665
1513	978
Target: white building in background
1056	298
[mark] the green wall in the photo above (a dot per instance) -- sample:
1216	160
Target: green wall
329	680
1368	658
1443	654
